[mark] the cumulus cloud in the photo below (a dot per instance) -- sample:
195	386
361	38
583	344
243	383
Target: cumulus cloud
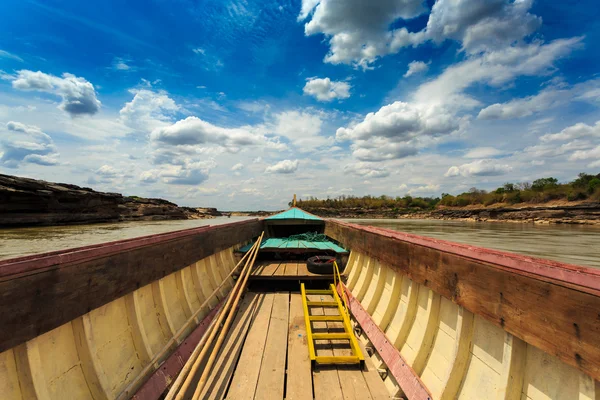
359	30
283	167
186	173
301	128
416	67
481	25
485	167
367	170
194	131
394	130
148	110
577	131
27	144
482	152
78	95
237	167
593	153
424	189
324	89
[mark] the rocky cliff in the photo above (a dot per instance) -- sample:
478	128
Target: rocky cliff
30	202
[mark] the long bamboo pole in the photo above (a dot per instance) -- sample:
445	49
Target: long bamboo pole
226	308
133	385
188	365
221	337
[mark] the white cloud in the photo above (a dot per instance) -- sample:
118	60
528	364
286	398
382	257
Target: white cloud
302	128
11	56
148	110
359	33
199	50
485	167
593	153
425	189
121	64
577	131
237	167
107	171
27	144
395	130
481	25
367	170
494	68
283	167
194	131
482	152
357	29
546	99
324	89
78	95
416	67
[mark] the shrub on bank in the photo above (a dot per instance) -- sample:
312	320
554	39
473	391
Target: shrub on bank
540	191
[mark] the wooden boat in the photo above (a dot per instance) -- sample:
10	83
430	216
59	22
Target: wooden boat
434	319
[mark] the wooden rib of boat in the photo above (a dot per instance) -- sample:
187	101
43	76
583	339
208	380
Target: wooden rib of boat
435	319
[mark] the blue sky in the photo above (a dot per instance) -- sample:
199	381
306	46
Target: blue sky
239	104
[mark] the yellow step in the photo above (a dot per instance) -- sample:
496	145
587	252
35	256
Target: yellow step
337	360
319	291
330	336
322	303
326	318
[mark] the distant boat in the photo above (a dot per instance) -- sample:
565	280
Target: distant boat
233	311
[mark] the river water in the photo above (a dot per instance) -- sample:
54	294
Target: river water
568	243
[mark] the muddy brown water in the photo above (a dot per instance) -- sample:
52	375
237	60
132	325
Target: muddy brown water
567	243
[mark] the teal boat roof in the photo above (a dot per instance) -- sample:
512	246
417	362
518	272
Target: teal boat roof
295	213
280	243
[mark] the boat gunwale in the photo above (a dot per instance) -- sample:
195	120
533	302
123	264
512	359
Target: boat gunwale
582	278
36	262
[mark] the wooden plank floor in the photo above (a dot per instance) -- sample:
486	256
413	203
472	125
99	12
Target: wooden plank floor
273	361
285	270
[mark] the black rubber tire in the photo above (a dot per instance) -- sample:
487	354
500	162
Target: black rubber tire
322	265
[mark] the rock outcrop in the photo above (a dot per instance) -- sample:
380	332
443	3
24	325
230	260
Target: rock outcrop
31	202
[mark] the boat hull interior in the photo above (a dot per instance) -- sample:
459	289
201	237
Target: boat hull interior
435	320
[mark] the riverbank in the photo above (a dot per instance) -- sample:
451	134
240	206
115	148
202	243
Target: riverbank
31	202
581	213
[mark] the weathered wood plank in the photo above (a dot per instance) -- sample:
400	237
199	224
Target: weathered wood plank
280	271
554	311
303	269
270	268
40	293
351	378
291	269
376	386
299	379
271	381
243	385
325	377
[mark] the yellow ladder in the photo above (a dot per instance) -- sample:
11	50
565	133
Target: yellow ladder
357	356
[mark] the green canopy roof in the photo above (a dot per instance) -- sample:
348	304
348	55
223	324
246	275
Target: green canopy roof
295	213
